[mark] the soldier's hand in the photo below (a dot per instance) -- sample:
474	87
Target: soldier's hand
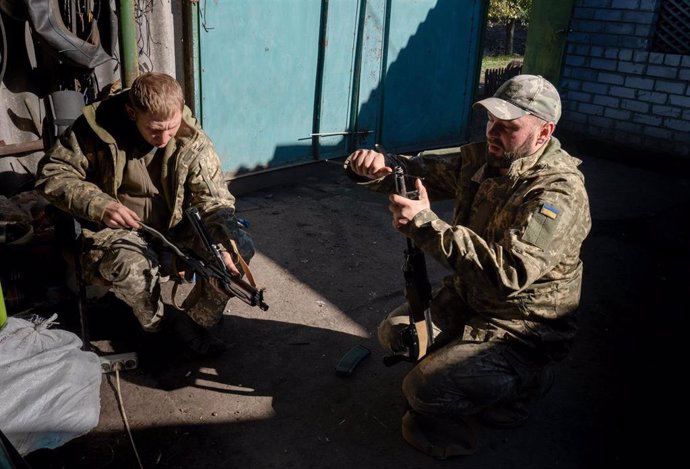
117	215
404	209
227	259
369	164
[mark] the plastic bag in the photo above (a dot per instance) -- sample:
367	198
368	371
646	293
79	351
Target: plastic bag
49	387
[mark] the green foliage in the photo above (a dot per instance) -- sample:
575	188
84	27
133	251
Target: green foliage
504	11
497	61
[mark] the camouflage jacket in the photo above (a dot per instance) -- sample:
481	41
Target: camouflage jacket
82	172
513	243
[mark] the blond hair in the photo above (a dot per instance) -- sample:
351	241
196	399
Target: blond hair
157	94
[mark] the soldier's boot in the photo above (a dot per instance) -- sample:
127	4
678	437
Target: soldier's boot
195	338
438	437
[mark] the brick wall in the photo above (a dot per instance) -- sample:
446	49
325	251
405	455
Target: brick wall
614	89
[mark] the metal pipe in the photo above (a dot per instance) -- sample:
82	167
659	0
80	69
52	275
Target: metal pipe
189	56
318	92
21	148
356	74
384	69
128	43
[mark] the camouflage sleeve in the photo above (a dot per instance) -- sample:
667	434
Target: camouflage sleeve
209	192
546	229
438	170
62	178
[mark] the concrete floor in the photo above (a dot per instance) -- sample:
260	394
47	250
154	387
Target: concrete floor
330	262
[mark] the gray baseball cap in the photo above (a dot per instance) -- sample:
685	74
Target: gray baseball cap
522	95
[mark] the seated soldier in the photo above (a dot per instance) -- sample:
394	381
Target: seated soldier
140	156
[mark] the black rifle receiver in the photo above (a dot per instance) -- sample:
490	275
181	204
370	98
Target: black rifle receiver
232	285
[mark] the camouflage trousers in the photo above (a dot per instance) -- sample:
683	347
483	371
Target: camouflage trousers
468	370
130	266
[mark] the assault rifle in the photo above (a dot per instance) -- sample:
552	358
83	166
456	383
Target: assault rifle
418	336
215	267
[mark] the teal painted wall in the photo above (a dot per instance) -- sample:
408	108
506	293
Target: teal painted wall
271	73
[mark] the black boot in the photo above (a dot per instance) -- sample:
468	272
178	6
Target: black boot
196	339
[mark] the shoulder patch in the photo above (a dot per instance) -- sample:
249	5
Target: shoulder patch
542	226
549	210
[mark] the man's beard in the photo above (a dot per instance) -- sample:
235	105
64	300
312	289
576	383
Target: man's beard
506	159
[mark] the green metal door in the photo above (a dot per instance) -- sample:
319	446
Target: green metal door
282	82
548	29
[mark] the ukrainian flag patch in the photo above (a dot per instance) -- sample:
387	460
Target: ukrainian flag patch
549	211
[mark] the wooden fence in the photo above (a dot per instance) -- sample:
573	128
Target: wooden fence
495	77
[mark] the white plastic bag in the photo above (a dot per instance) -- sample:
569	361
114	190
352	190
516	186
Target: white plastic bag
49	387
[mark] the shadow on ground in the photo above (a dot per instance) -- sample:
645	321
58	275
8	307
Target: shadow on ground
331	264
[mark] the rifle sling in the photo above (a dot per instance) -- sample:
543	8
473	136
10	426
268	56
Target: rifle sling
173	294
243	264
423	339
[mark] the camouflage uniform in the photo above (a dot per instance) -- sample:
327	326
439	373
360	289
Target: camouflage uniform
513	247
82	173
